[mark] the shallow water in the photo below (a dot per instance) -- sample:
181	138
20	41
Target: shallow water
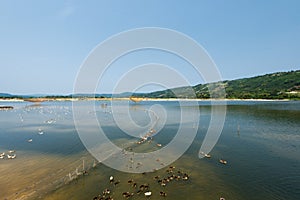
260	141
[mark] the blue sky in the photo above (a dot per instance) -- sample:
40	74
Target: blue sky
43	43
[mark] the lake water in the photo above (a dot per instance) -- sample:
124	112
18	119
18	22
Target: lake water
260	141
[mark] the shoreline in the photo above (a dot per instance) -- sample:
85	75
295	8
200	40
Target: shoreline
143	99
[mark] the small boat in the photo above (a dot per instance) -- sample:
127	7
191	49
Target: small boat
222	198
223	161
1	157
30	140
11	151
159	145
2	154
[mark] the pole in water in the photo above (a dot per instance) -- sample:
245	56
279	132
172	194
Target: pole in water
238	130
83	165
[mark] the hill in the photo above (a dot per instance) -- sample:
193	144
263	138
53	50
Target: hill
280	85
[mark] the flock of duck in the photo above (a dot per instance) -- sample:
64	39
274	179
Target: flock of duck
144	189
222	161
11	154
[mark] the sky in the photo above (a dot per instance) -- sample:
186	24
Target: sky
44	43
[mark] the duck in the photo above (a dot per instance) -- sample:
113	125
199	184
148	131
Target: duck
127	194
207	155
142	187
163	194
148	194
185	177
106	191
117	182
40	131
111	179
11	156
223	161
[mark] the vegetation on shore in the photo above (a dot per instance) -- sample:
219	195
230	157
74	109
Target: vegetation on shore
279	85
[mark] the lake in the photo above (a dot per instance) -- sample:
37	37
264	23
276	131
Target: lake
260	141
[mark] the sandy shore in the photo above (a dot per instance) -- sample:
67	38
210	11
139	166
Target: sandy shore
145	99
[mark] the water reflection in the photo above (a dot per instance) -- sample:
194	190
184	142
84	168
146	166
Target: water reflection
263	159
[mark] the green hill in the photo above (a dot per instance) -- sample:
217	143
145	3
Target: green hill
280	85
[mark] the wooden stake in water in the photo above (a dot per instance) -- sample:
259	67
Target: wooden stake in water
83	165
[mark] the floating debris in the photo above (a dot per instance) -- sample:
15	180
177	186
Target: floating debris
6	107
